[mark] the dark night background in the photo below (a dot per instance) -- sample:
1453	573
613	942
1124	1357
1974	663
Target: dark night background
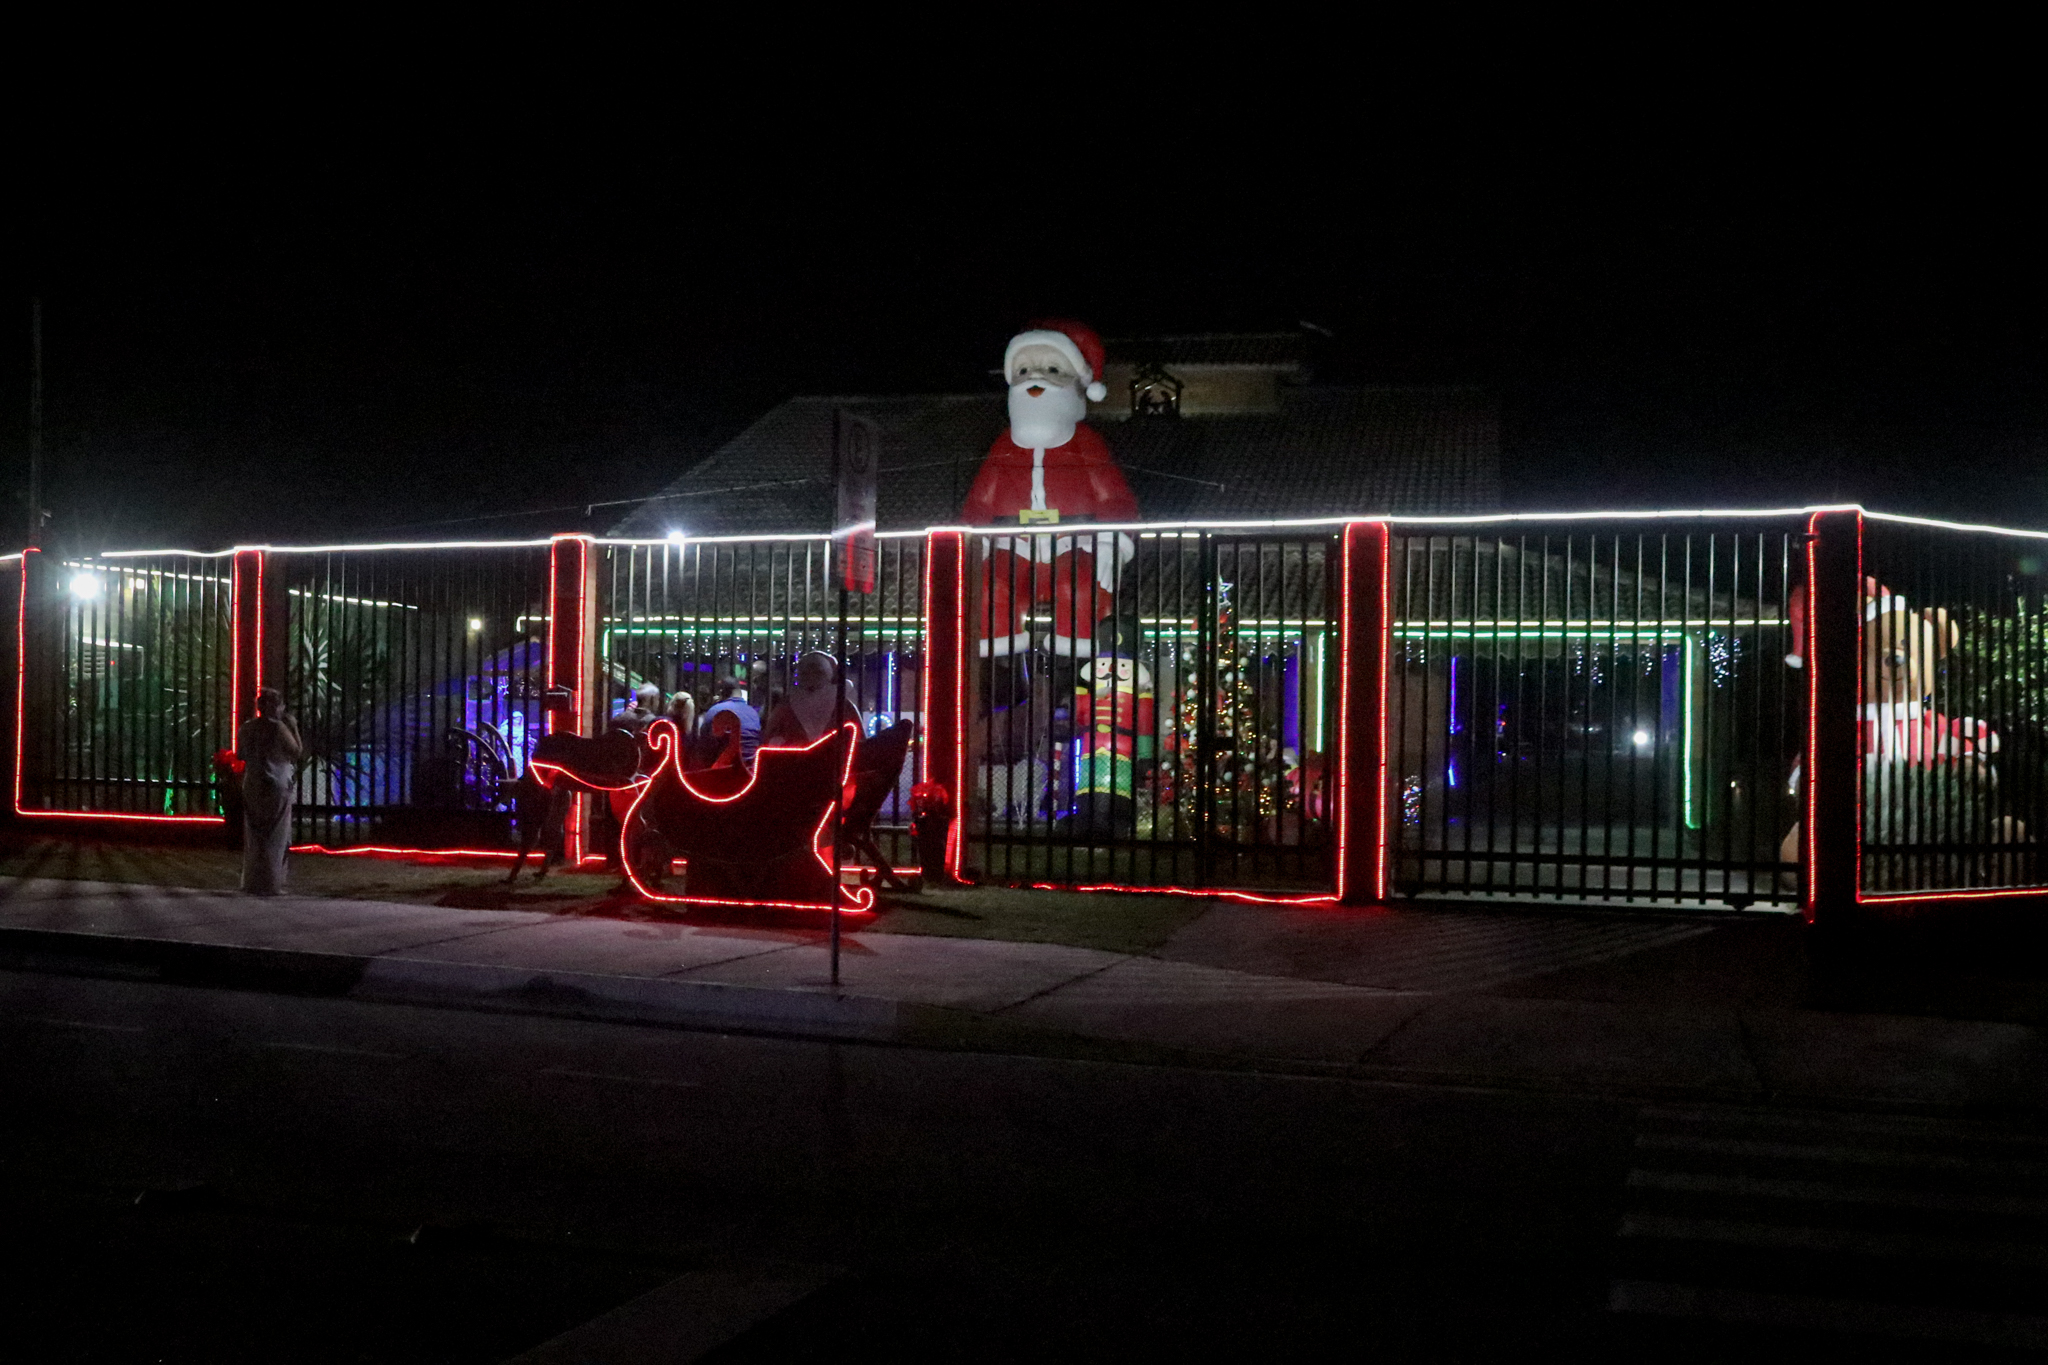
416	336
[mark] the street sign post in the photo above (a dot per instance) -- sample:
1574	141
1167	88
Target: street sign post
856	450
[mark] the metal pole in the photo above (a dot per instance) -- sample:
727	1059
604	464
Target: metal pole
35	422
839	825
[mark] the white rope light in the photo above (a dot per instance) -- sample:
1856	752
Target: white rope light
1149	528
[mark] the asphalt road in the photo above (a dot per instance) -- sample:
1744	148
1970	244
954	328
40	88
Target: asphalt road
219	1175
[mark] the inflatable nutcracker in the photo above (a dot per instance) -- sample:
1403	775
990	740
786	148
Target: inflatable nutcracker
1050	469
1900	730
1901	649
1114	729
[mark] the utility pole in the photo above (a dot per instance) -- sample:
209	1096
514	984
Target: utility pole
35	423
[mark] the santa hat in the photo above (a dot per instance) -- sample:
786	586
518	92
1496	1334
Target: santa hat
1074	340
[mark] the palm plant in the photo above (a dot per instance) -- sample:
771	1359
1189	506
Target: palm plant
337	669
147	691
1998	672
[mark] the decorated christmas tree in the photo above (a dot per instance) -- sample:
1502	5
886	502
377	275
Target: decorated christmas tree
1241	794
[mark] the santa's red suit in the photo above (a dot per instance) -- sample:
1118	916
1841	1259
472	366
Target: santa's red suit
1909	732
1073	573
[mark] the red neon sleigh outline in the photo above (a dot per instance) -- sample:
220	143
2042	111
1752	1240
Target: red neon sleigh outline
664	739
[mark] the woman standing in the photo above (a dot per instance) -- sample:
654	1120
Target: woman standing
270	748
682	709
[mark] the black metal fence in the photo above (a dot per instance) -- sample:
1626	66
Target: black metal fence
128	677
1152	708
1955	708
1596	712
418	676
1576	710
706	618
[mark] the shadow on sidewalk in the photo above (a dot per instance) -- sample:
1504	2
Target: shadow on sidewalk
1988	963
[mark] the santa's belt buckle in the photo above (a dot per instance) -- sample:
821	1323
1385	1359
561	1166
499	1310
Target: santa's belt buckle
1038	516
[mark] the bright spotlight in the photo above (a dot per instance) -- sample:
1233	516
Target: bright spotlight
476	623
1642	737
85	587
676	537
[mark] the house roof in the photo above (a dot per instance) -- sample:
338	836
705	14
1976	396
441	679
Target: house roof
1279	350
1321	452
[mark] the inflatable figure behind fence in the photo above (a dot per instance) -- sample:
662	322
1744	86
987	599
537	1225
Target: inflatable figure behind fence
1928	778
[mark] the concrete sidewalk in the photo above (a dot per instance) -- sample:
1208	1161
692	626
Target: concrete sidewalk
1664	1006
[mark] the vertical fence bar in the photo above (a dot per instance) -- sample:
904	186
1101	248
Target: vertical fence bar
273	625
248	633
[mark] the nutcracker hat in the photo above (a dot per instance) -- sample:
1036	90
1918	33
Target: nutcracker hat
1879	602
1074	340
1116	638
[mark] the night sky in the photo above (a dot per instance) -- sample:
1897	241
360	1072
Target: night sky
418	336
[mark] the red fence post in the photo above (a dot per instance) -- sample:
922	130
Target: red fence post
572	620
1361	795
28	618
247	655
1833	819
945	678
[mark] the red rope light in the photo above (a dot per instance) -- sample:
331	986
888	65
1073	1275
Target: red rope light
1386	631
956	852
116	815
235	681
1344	646
1986	893
924	683
381	850
1859	710
259	622
637	781
1206	893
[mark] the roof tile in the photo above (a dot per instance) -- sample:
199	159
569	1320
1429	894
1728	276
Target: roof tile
1324	452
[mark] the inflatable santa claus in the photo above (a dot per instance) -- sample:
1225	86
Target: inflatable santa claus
1050	469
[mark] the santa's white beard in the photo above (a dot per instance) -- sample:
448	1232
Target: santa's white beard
1047	420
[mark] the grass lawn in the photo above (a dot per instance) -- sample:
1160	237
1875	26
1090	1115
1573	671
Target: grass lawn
1116	923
